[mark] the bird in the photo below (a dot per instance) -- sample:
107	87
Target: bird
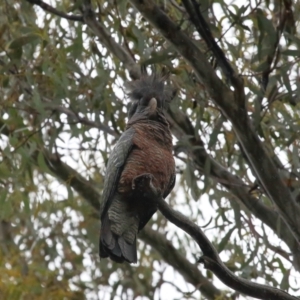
140	168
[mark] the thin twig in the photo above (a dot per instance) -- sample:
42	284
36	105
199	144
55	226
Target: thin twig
56	12
193	9
204	30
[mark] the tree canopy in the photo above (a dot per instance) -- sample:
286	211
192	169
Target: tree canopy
235	122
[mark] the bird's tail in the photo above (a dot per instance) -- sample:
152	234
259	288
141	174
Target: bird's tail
114	246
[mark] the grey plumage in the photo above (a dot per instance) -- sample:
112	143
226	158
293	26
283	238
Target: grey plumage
143	155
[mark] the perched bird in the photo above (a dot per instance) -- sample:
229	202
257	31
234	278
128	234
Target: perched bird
140	168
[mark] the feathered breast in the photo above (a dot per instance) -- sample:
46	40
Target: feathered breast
152	153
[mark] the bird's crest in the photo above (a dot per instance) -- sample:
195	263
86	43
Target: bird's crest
150	86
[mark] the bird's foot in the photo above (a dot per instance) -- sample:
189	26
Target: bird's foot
144	183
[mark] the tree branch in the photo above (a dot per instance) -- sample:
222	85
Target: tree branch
212	261
203	29
86	189
273	56
54	11
172	256
78	118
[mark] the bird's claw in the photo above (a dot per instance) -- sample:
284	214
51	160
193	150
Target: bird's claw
142	181
144	184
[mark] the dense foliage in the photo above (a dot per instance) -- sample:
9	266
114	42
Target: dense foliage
235	122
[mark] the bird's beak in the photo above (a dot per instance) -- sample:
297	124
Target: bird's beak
152	105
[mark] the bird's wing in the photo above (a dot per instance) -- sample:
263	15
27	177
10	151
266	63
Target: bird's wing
114	168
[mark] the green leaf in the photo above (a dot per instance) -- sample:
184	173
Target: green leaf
42	163
3	196
290	52
24	40
286	81
26	202
284	284
214	136
191	181
207	167
225	240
